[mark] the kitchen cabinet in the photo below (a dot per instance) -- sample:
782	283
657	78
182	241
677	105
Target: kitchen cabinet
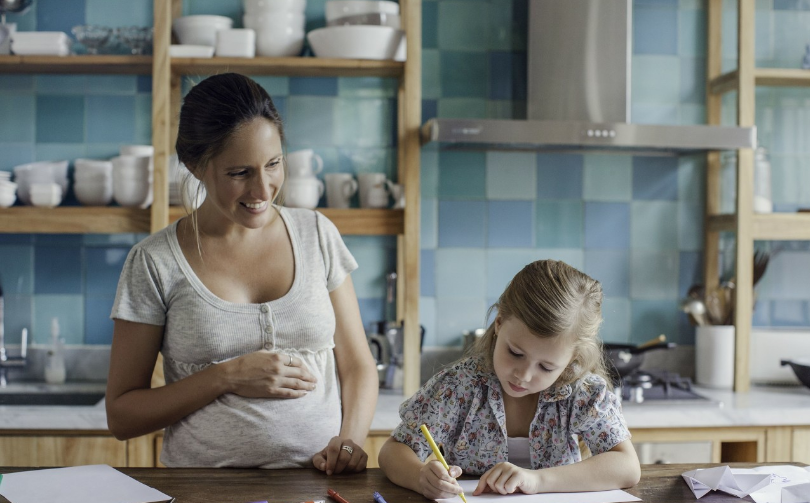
62	450
166	75
747	225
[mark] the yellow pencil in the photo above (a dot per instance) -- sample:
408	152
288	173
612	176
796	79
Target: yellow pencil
437	452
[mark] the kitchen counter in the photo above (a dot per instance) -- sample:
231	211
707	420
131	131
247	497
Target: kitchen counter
762	406
659	484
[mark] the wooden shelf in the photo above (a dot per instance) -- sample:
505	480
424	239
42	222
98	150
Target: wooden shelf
73	220
296	67
770	226
782	77
358	222
102	64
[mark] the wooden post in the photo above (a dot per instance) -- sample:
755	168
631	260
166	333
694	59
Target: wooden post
714	63
161	109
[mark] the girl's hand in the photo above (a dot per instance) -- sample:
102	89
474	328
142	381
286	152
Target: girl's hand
266	374
341	455
506	478
437	483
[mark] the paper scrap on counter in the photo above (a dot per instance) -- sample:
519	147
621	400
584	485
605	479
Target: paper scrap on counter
78	484
613	496
723	479
800	493
774	480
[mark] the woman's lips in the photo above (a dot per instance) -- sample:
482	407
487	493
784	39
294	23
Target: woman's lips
516	388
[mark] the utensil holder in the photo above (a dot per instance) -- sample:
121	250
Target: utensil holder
714	356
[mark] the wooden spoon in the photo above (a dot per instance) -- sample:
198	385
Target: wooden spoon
652	342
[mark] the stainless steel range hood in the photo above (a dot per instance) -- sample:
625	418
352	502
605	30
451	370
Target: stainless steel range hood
579	57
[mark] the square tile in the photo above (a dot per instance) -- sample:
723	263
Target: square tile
110	119
462	175
461	224
372	310
112	84
14	154
98	327
607	225
690	226
14	82
508	25
511	175
655	178
508	74
314	86
787	277
692	32
19	314
16	239
501	267
229	8
607	178
616	315
60	119
690	271
654	225
790	313
762	314
68	309
654	274
144	84
690	114
431	75
430	24
61	84
463	26
59	15
21	108
652	317
510	224
575	257
655	29
461	74
363	122
559	223
655	114
460	273
559	176
430	109
429	230
143	119
427	273
57	269
17	269
102	268
365	87
656	79
115	14
427	318
374	263
692	178
429	173
310	120
453	316
611	268
276	86
462	108
59	151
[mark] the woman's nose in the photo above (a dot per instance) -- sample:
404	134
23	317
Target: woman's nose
260	187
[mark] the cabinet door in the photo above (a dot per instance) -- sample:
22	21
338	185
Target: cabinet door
801	445
62	451
372	447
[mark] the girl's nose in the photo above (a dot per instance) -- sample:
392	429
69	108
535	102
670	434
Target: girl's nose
523	373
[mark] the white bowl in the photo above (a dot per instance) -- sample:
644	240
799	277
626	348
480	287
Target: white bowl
341	8
287	41
376	19
137	194
42	172
7	198
260	6
191	51
274	20
137	150
94	193
240	43
200	30
46	195
355	42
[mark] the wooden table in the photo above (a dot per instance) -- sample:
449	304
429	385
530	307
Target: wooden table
659	484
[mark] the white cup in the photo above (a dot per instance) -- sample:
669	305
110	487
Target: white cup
340	187
303	193
397	192
372	182
236	43
714	356
7	32
303	164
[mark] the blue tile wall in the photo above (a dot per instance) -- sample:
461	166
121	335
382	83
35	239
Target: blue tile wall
635	223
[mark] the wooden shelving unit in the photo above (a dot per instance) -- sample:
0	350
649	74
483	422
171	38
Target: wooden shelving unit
747	225
101	64
298	67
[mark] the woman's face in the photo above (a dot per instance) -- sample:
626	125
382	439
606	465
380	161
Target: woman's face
525	363
245	178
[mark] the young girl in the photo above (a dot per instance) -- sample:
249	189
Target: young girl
509	411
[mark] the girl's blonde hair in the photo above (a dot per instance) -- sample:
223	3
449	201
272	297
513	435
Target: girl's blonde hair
554	299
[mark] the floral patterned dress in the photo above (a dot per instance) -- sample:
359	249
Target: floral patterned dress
463	408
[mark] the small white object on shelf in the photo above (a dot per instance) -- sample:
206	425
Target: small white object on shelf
200	29
237	43
191	51
356	42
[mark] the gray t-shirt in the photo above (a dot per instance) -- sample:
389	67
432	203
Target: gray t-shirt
159	287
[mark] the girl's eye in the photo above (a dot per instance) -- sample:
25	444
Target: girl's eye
544	369
516	355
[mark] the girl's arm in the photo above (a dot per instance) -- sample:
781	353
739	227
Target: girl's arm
359	385
402	467
134	408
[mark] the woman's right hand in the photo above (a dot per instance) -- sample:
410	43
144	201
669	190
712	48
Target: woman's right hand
437	483
267	374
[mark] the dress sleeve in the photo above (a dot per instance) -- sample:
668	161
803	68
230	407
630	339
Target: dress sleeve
597	415
139	297
436	405
337	258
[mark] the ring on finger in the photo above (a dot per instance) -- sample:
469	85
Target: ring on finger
289	363
348	449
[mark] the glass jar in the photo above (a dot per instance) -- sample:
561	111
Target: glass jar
763	202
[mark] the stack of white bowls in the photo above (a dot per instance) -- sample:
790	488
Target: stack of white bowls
198	35
93	181
40	43
8	190
43	172
360	29
133	176
279	26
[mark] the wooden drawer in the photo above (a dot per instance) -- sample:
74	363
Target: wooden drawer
62	451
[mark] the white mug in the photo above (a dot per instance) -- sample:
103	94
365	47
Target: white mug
303	193
303	163
398	193
340	187
369	181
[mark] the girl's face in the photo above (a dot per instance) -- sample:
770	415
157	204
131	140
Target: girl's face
246	176
525	363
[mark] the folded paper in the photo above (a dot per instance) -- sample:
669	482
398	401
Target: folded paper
723	479
763	484
800	493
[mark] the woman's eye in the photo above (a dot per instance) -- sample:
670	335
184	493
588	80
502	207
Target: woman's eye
274	164
235	174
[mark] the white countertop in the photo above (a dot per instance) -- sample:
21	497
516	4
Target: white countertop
762	406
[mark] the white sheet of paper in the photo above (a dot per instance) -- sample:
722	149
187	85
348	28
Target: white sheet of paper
800	493
77	484
614	496
762	484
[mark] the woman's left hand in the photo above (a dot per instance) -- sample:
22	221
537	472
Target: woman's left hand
506	478
341	455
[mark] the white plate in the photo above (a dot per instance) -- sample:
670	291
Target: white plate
191	51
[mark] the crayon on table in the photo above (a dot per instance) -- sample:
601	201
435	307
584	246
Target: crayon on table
378	497
336	496
438	453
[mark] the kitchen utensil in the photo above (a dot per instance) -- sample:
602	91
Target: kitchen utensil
652	342
625	358
696	309
381	351
801	367
397	193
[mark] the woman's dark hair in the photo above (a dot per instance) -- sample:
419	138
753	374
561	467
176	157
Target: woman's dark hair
216	108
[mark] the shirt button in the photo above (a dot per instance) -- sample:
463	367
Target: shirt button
268	329
265	308
267	345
